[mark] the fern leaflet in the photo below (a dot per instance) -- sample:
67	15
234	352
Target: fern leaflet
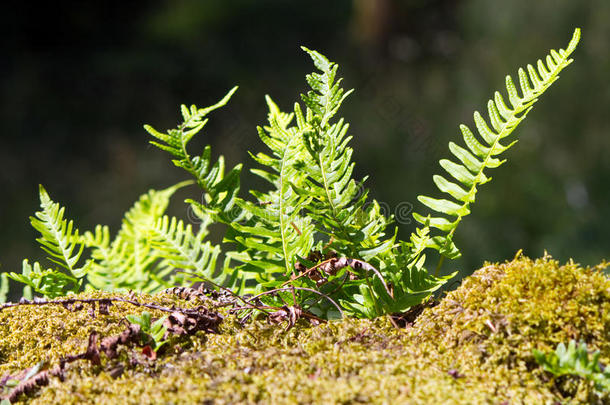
182	249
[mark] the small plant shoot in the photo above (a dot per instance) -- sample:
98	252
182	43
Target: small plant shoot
574	360
151	331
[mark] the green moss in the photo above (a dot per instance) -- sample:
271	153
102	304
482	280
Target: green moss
490	325
484	331
31	333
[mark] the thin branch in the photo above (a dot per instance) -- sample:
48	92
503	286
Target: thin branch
220	287
101	301
334	264
299	288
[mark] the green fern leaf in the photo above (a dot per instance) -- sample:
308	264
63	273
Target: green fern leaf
468	171
58	238
284	233
50	283
130	261
220	188
339	207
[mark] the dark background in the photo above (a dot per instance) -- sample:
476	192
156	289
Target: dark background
79	79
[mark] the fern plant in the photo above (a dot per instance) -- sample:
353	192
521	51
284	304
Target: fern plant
143	256
60	240
314	239
314	209
574	360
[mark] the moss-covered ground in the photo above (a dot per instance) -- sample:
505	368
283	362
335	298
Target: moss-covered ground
474	347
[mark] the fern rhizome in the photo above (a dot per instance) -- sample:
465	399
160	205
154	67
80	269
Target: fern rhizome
313	240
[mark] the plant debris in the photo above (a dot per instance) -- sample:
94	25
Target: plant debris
181	321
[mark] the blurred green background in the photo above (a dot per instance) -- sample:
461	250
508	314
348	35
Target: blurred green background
79	79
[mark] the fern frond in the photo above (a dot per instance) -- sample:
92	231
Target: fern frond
59	238
130	261
220	189
106	261
50	283
339	206
147	210
481	152
136	233
275	232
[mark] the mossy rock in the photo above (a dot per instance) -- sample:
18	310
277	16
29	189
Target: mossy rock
474	347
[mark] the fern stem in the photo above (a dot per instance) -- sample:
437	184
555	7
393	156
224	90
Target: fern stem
439	265
326	188
291	288
289	269
370	286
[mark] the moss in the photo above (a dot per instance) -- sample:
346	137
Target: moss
474	347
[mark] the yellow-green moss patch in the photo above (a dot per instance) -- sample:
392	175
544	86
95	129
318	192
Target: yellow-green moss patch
475	347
